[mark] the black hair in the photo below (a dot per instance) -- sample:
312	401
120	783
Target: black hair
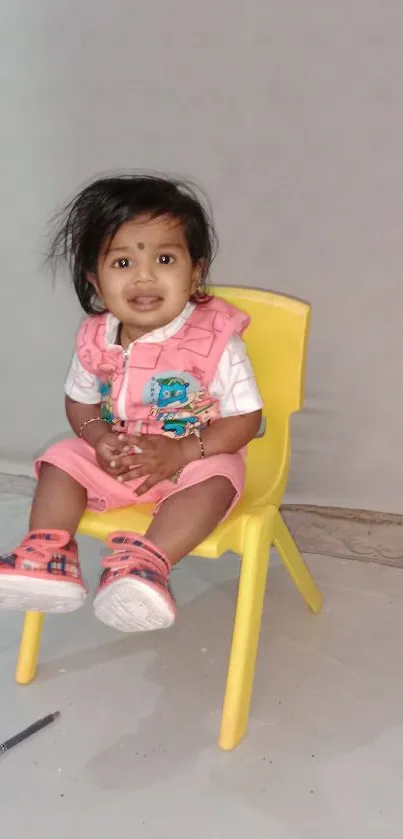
98	211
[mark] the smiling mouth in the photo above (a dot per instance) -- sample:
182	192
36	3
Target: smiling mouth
145	302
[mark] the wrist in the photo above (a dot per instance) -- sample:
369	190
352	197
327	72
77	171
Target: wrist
93	431
192	449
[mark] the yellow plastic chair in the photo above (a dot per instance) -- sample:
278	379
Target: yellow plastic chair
277	342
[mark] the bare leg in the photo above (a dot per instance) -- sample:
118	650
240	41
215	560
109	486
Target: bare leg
189	516
59	501
142	601
44	575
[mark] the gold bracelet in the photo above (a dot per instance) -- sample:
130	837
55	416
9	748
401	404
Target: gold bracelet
87	422
197	434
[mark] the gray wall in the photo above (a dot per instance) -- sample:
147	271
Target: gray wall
291	115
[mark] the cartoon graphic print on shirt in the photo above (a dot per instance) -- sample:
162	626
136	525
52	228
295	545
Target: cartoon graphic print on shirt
178	403
105	390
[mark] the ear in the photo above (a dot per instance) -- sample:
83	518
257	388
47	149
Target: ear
197	274
93	279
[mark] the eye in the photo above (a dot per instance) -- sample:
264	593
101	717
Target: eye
123	262
165	259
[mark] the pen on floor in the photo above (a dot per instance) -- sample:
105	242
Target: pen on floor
28	732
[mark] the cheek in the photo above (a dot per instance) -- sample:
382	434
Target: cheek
110	287
181	283
180	293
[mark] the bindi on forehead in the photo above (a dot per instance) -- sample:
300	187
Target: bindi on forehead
140	246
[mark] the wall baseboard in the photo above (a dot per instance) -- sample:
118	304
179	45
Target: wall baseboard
349	534
17	484
325	531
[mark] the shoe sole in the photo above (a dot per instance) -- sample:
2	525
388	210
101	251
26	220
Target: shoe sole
130	605
27	594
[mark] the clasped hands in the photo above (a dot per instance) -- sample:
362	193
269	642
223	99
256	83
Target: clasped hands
128	457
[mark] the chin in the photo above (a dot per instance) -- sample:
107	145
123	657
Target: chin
153	319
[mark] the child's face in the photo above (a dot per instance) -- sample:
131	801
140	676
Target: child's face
145	276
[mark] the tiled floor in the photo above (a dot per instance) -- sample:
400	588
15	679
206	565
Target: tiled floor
135	751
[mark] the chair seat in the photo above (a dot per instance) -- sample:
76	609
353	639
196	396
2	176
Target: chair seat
228	536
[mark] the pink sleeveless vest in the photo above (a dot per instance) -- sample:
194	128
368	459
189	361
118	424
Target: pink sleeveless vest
162	387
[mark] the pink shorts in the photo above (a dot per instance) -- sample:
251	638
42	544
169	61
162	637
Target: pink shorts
78	459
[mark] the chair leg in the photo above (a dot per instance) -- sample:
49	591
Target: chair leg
292	559
29	648
252	584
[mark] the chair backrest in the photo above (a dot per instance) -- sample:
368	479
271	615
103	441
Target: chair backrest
277	345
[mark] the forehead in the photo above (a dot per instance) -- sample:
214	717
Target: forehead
149	232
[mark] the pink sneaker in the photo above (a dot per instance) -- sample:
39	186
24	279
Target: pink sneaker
133	593
43	574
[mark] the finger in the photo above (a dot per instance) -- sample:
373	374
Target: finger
134	460
113	444
137	471
113	468
130	459
130	439
107	468
132	475
114	448
150	482
134	471
139	441
128	453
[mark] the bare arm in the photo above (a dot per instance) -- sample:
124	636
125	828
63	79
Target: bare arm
78	413
98	434
226	436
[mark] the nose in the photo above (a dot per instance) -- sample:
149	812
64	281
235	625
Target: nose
144	271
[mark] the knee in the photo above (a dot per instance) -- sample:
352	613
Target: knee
221	487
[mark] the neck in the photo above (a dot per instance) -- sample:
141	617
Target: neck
128	334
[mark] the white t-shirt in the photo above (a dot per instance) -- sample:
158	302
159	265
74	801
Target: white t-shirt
234	386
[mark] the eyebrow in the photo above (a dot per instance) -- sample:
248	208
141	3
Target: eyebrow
178	245
159	246
120	248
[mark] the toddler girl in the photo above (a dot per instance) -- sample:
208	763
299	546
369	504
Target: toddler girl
161	398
